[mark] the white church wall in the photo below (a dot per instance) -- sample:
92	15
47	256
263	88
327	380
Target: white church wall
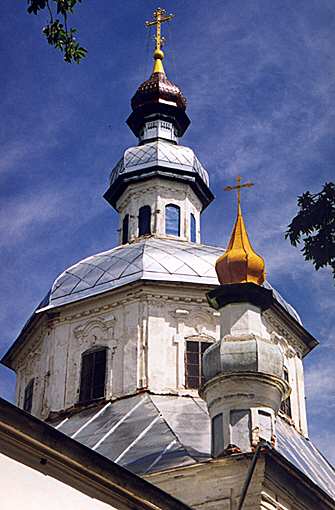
157	194
174	317
218	486
32	365
145	329
55	362
213	486
293	350
300	395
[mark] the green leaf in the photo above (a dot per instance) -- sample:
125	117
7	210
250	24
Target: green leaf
314	227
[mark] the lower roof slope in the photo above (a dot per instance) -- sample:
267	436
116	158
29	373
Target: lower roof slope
147	433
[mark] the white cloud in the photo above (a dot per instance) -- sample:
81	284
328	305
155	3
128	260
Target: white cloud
19	217
320	384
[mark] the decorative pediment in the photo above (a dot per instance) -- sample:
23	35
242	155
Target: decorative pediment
288	351
201	337
98	329
280	334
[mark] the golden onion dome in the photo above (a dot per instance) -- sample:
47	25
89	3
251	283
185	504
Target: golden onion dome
240	263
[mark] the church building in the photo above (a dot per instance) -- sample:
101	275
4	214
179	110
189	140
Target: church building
174	359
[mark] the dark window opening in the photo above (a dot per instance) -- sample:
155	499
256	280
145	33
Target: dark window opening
28	396
217	435
193	229
172	220
125	229
285	406
93	375
194	377
144	221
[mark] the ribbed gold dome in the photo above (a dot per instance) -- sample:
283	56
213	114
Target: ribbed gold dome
240	263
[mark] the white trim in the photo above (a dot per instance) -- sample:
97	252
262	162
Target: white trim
117	424
90	420
139	437
61	423
160	456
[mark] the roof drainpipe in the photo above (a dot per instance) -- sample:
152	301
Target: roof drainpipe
262	445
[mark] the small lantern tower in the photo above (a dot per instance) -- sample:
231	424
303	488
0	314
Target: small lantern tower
244	384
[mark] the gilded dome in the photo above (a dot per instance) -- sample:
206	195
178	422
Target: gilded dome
240	263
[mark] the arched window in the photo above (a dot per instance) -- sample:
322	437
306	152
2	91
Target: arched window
125	229
28	396
144	220
172	220
93	375
193	229
285	406
193	363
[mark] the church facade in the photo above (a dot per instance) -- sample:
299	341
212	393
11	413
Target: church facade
117	353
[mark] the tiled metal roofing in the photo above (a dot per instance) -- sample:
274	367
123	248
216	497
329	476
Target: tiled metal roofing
303	455
141	432
159	153
150	258
147	433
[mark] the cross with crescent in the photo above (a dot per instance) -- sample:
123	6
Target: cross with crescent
238	188
160	17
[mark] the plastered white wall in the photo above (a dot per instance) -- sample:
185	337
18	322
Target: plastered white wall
157	194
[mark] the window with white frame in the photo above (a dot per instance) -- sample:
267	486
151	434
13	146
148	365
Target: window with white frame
172	220
144	220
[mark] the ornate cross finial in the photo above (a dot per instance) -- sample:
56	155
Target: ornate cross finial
160	17
238	187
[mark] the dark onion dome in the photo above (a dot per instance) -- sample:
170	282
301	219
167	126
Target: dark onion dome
159	97
158	89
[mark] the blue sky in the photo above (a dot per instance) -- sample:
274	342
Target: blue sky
260	81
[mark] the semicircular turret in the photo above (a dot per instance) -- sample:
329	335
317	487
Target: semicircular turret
245	355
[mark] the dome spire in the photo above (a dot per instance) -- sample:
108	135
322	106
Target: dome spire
240	263
160	17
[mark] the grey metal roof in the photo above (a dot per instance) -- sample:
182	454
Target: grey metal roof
147	259
144	433
147	433
159	153
152	258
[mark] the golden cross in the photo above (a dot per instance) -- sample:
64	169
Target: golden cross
160	17
238	187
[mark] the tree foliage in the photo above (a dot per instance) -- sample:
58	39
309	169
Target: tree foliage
57	31
314	226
